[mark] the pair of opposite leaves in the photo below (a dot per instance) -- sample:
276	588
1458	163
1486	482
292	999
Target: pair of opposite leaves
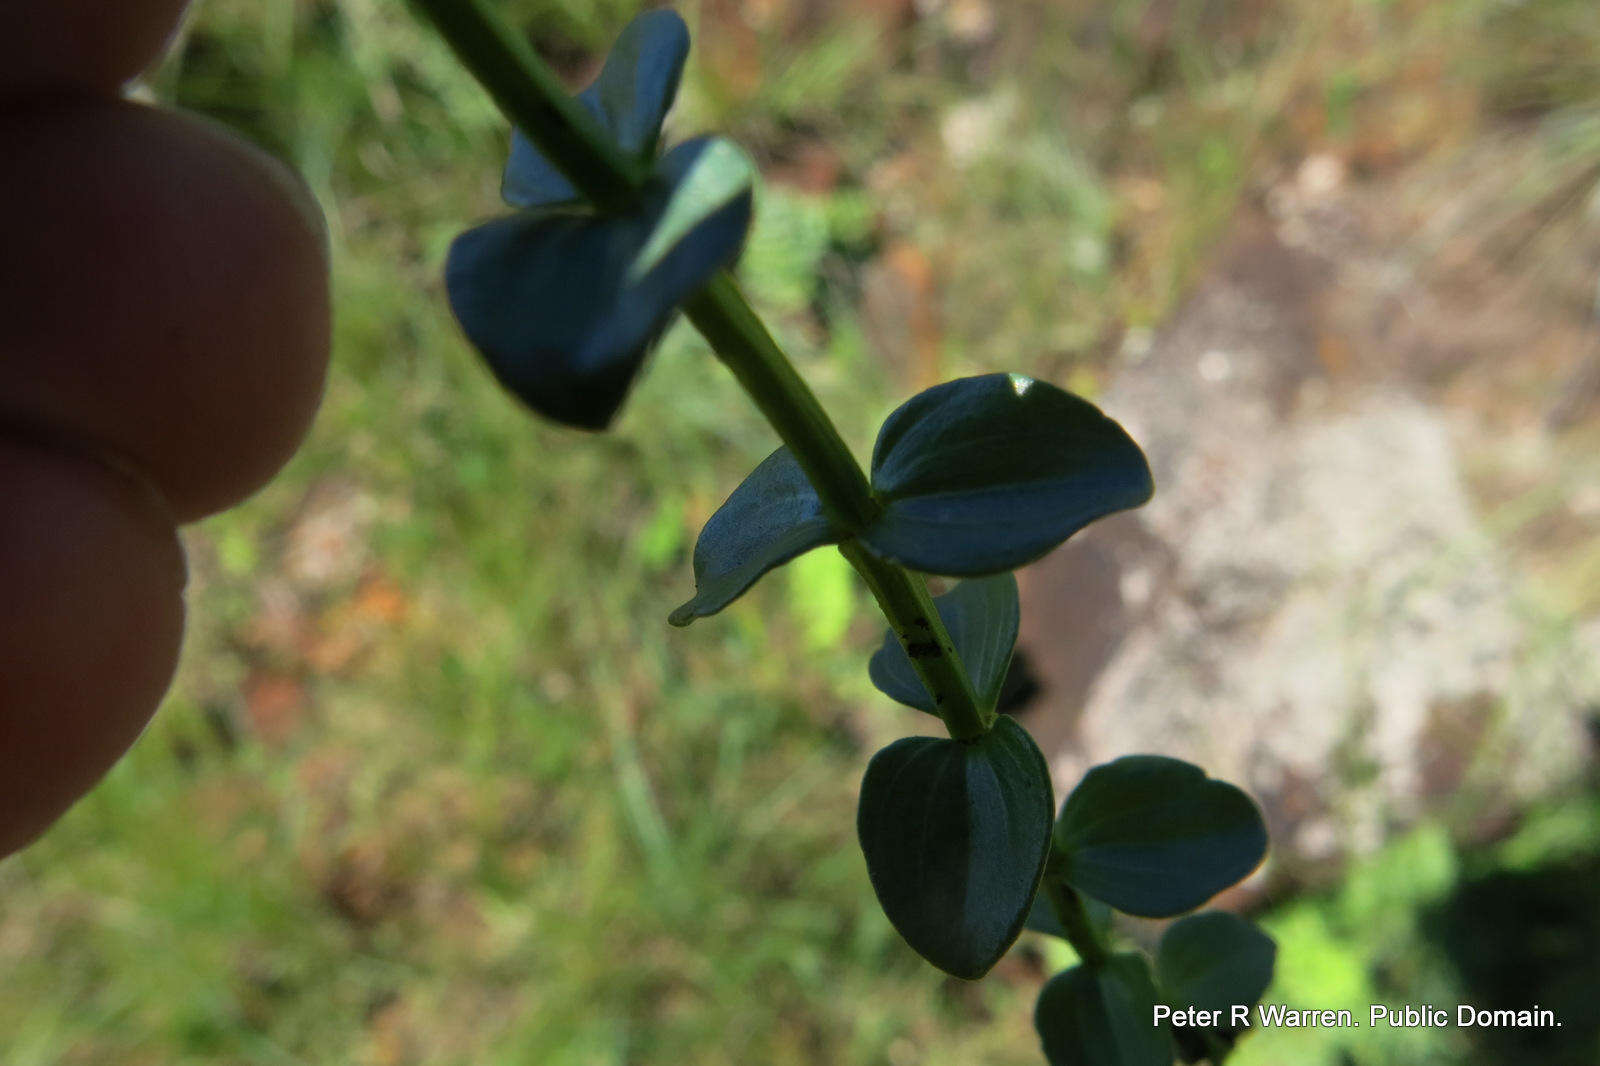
564	301
1147	835
956	835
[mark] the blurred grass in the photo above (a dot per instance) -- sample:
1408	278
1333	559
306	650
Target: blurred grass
436	783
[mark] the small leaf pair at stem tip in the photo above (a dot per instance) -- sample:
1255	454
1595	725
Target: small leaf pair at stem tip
564	301
630	99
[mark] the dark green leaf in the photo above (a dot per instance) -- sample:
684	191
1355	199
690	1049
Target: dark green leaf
630	98
955	833
981	616
773	516
1042	917
564	305
1155	837
1102	1016
984	474
1213	961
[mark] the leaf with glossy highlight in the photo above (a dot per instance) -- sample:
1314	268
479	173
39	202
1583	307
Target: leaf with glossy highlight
981	616
955	833
1101	1016
984	474
629	98
773	516
564	305
1156	837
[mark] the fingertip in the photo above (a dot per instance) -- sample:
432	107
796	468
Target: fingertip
90	627
175	307
81	45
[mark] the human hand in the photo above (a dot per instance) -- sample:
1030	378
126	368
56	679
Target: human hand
163	338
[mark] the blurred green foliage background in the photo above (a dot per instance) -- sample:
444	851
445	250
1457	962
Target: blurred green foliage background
437	784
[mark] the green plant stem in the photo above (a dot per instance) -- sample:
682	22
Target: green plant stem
538	104
533	97
1092	949
1081	933
734	331
903	598
724	317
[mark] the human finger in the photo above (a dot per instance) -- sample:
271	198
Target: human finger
165	295
90	624
83	45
